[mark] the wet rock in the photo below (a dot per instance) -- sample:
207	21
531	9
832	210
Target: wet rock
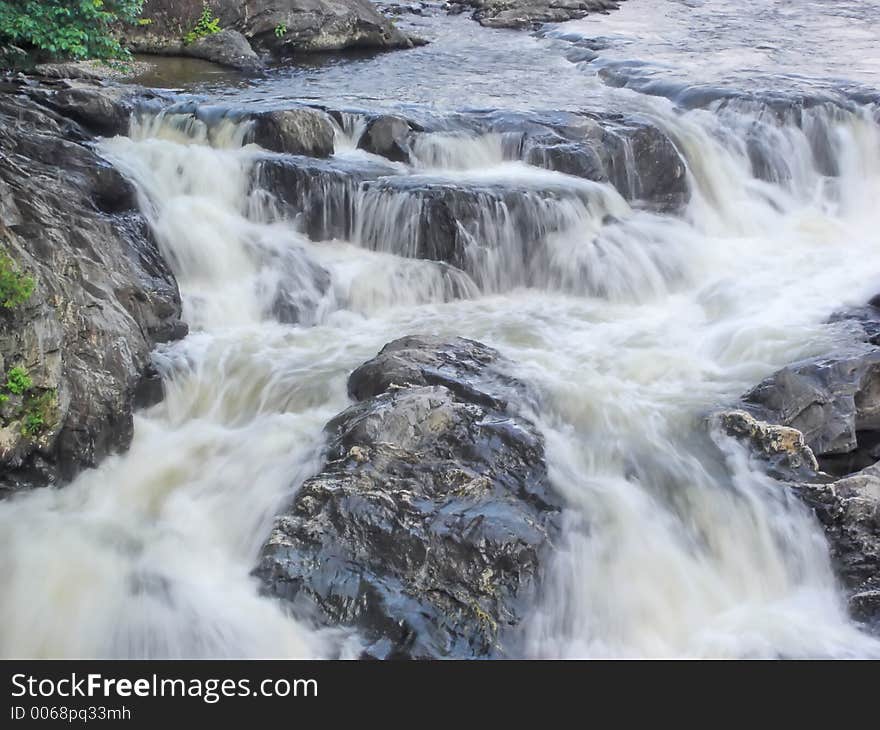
388	136
784	449
102	297
318	193
830	399
522	14
647	167
848	509
631	153
829	406
427	526
302	131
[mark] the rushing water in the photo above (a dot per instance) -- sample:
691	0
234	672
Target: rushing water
631	333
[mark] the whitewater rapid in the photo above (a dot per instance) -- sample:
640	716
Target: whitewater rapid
632	333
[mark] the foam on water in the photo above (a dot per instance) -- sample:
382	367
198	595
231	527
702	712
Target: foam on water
631	326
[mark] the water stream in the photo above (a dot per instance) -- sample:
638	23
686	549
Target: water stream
629	332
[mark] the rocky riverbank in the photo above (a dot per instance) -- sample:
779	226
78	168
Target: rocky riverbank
241	34
101	295
815	427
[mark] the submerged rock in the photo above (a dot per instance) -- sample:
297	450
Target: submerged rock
427	526
102	294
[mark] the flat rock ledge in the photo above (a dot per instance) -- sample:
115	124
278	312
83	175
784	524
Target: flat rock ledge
426	528
529	14
815	426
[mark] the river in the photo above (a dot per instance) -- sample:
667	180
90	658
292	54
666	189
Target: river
630	334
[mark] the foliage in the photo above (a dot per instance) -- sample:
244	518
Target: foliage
70	29
206	25
15	288
280	30
38	412
37	407
18	380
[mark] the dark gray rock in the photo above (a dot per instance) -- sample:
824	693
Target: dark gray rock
830	399
631	153
227	48
103	295
388	136
848	509
301	131
318	193
522	14
102	110
427	526
829	406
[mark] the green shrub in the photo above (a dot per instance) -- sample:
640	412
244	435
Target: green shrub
280	30
69	29
15	288
18	381
206	25
38	412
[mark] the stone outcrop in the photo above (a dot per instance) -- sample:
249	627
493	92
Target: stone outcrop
279	27
426	528
814	426
102	295
521	14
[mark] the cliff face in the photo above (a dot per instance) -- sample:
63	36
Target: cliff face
102	295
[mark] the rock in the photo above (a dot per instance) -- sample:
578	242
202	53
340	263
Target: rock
388	136
302	131
848	509
830	399
318	193
783	449
520	14
227	48
630	152
103	295
92	70
103	110
15	58
282	27
828	405
427	526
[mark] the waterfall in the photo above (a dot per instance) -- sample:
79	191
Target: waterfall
630	323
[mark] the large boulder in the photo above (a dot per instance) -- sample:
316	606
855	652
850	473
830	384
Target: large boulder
102	295
226	48
388	136
302	131
426	528
834	400
283	27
